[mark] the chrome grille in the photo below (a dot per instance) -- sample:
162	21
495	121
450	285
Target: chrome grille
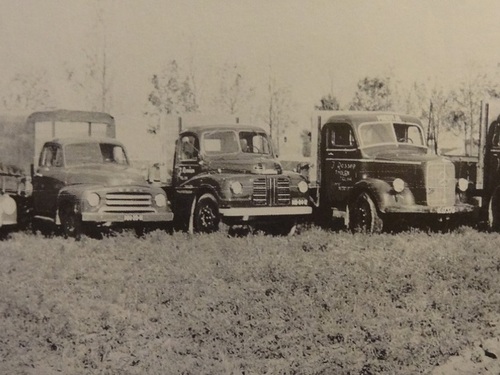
129	202
440	184
271	191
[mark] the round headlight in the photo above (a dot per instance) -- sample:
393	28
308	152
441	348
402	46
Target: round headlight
8	205
236	187
463	184
93	199
160	200
302	185
398	185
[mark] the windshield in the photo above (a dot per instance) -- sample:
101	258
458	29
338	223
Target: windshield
224	142
95	153
372	134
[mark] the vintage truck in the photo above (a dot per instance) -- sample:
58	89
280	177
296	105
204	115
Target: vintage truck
373	168
76	175
482	170
230	174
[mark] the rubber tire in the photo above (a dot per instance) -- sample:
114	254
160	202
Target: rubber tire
363	215
205	216
71	223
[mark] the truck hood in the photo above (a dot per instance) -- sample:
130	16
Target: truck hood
253	165
105	175
411	154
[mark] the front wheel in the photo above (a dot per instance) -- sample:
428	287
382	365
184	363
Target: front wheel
205	217
363	215
71	223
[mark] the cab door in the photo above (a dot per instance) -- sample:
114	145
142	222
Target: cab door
340	163
48	180
492	158
187	160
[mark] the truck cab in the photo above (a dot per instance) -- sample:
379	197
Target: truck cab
230	174
89	180
375	166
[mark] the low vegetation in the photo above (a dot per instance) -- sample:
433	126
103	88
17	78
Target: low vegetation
316	303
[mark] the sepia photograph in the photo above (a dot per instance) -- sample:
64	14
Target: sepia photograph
289	187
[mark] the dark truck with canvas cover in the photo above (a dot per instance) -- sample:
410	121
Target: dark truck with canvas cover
230	173
482	170
83	176
371	167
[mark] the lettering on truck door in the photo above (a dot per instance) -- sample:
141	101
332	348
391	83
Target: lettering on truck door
187	159
341	162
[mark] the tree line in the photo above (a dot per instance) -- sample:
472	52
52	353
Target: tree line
178	89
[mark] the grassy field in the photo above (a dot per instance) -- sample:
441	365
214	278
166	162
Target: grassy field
316	303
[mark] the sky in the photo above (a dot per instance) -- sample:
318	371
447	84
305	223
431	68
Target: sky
313	46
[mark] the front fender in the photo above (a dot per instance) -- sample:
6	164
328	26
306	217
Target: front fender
383	193
72	195
186	193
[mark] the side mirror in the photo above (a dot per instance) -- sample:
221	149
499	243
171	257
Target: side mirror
154	173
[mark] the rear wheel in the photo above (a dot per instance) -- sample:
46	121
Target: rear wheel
205	216
71	223
363	215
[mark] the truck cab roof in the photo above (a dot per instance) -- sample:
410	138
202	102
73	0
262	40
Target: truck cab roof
198	129
73	140
359	117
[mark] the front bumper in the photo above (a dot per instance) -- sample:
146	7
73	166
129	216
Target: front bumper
127	217
442	210
247	212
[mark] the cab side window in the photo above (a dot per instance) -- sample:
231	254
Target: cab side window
495	141
187	148
341	136
51	156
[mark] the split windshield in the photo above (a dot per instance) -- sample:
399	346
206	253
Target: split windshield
95	153
227	142
384	133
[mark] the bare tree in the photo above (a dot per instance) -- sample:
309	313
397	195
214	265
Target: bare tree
234	92
464	117
27	92
412	99
93	79
279	115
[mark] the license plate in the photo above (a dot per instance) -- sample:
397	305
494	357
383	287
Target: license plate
133	217
446	210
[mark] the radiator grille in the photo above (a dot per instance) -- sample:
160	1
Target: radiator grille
271	191
440	184
129	202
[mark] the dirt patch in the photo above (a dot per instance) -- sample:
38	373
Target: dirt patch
483	358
